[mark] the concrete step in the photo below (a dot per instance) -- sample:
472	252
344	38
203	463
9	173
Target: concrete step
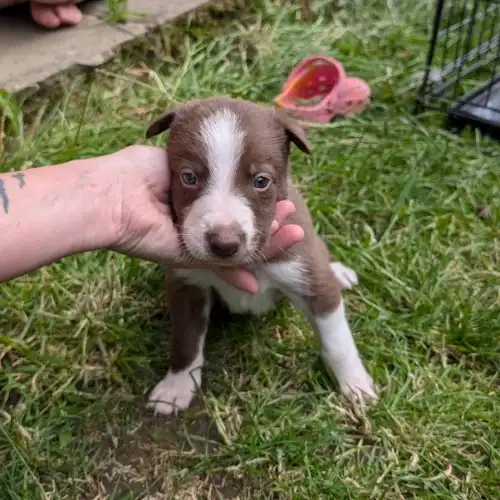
30	54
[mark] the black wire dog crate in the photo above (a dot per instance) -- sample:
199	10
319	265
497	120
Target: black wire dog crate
462	76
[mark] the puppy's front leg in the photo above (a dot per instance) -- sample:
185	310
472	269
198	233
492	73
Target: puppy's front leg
189	312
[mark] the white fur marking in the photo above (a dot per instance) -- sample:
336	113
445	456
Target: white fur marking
341	356
237	301
274	279
346	276
291	274
223	140
176	391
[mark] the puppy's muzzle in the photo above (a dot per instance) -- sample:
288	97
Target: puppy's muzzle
225	241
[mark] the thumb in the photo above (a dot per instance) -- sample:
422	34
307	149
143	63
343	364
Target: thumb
156	239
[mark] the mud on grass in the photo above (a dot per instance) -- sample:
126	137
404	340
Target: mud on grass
394	195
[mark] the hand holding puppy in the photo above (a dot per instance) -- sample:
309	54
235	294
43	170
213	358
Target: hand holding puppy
145	230
115	201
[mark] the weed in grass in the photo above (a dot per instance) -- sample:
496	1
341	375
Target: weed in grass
395	196
117	10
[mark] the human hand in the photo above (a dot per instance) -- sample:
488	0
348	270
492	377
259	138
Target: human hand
140	179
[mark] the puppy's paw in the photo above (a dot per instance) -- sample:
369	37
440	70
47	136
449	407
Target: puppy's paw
357	386
175	392
346	276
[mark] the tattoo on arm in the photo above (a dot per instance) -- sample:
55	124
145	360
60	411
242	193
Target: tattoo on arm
3	197
3	191
20	178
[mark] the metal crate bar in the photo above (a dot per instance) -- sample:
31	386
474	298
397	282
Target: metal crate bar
462	71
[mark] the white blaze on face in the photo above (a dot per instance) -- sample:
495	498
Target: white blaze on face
223	140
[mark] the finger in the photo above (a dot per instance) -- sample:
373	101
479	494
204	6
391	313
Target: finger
163	241
159	174
286	237
44	15
239	278
69	14
284	209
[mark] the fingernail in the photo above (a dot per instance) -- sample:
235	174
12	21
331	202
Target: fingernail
274	225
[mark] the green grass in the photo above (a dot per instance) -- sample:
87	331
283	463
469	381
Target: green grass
117	10
394	195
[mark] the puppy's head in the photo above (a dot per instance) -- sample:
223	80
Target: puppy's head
229	163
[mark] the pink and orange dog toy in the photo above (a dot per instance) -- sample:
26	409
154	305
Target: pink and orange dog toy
318	90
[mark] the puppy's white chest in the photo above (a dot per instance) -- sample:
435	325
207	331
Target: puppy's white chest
237	301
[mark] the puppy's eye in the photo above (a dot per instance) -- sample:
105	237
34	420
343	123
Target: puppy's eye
261	182
189	179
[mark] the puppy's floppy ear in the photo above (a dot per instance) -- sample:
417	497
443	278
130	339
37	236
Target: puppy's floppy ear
295	133
161	123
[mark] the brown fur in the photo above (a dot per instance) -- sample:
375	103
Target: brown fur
187	305
324	292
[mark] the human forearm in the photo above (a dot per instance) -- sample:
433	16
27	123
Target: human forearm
48	213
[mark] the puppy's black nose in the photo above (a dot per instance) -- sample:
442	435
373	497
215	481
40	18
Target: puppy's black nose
225	241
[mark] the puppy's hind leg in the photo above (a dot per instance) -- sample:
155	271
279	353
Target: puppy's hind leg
315	289
327	312
341	356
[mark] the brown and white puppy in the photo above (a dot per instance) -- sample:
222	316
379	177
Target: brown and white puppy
230	165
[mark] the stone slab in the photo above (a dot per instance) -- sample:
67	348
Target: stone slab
29	55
